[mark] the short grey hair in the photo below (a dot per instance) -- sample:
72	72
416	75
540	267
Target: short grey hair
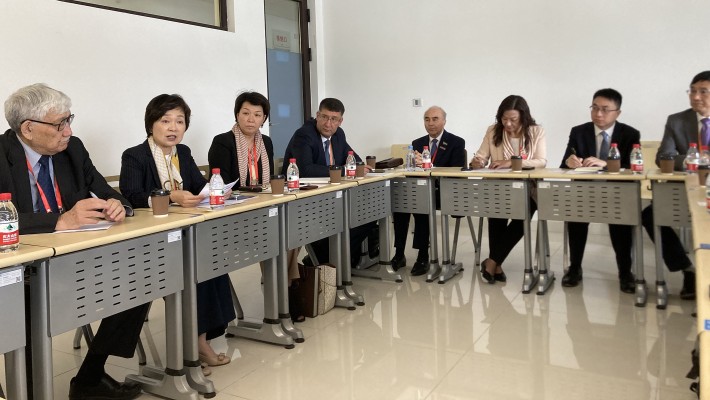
436	108
34	102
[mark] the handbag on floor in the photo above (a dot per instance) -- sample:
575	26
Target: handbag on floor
326	288
308	289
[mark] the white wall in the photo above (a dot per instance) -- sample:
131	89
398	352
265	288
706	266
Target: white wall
467	55
111	64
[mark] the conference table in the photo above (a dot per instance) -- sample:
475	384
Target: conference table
12	314
414	192
227	239
670	208
484	193
371	201
601	197
700	221
95	274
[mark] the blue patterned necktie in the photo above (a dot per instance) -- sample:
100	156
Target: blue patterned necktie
705	132
326	149
432	149
44	180
604	148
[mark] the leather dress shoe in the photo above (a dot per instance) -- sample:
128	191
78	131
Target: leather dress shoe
688	291
627	283
106	389
420	268
398	262
572	277
487	276
500	277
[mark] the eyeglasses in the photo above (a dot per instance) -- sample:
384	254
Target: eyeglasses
702	92
325	118
60	126
603	110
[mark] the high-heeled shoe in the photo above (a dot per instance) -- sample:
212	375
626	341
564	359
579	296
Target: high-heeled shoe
500	277
485	274
206	370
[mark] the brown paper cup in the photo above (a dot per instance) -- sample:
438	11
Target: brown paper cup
613	166
703	175
336	174
360	170
667	165
277	185
160	202
371	161
516	163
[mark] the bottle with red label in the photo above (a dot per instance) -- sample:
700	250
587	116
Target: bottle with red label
691	159
9	226
350	166
637	159
426	159
216	190
292	176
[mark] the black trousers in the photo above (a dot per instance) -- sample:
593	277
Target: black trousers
504	235
673	251
621	240
401	229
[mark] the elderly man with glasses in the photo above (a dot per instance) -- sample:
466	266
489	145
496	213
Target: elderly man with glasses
55	187
588	146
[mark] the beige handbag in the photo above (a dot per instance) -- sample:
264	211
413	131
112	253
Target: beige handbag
326	288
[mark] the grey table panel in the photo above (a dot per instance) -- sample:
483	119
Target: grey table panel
495	198
237	241
411	195
369	202
12	313
670	204
92	284
314	218
589	201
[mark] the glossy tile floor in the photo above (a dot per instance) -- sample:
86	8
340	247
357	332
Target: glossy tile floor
465	339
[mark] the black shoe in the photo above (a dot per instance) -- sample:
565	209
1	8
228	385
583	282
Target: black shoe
420	268
572	277
688	291
487	276
627	283
106	389
398	262
500	277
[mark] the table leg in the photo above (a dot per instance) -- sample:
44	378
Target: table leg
641	294
434	268
545	276
661	287
344	271
15	374
341	298
276	276
42	373
449	269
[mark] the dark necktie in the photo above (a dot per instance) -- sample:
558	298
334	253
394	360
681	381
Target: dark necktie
432	149
326	149
705	132
44	180
604	148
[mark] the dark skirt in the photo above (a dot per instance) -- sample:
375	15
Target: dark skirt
214	306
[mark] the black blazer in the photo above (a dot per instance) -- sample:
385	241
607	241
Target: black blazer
451	150
74	173
139	175
681	130
306	147
223	155
583	140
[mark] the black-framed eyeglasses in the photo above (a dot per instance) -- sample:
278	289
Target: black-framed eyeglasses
603	110
60	126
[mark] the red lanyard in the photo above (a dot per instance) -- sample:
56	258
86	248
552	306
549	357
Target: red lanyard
253	167
41	192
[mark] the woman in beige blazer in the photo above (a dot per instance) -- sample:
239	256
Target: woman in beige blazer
515	133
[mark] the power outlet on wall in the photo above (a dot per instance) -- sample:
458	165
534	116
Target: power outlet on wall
416	102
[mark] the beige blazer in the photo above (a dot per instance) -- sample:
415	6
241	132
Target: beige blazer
536	158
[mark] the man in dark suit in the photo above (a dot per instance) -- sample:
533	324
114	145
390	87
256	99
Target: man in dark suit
317	145
683	128
447	150
588	147
52	179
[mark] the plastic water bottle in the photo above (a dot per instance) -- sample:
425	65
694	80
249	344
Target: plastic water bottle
350	166
704	156
614	153
637	160
9	226
691	159
216	190
410	164
426	159
292	176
